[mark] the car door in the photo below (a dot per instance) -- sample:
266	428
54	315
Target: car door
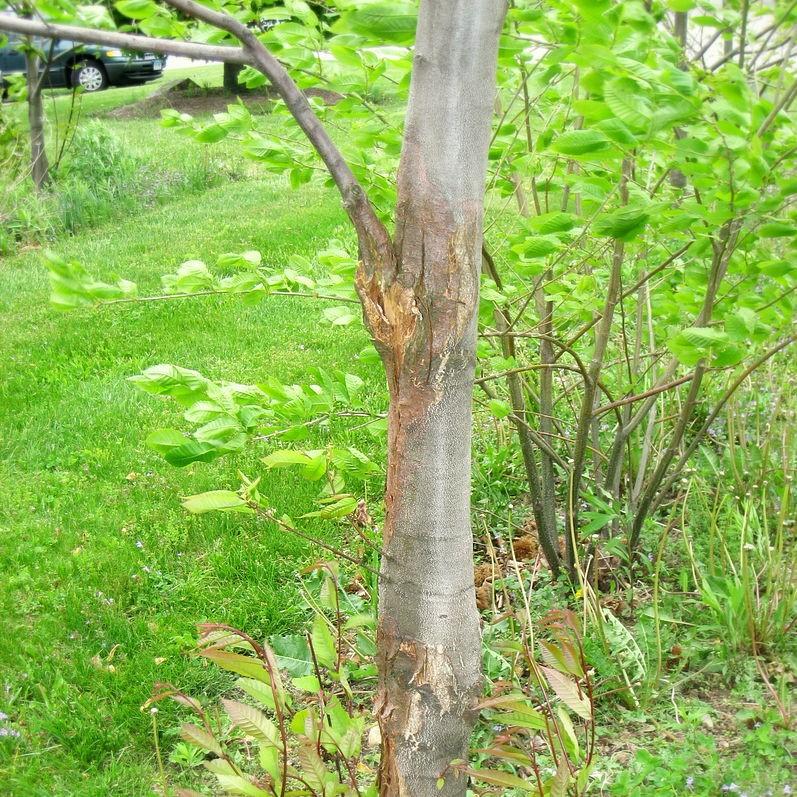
58	51
12	59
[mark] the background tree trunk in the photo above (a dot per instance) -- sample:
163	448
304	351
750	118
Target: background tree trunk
421	310
40	166
230	78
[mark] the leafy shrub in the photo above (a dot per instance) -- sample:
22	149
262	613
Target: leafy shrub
302	715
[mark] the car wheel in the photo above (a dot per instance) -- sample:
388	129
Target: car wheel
90	76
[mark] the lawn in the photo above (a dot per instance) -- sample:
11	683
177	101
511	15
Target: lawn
99	563
103	575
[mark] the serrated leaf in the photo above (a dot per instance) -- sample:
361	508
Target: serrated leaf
777	229
581	142
568	692
247	666
623	224
624	98
560	780
549	223
538	246
201	738
215	501
383	22
235	784
339	316
258	691
251	721
211	134
618	131
496	777
498	408
136	9
323	643
313	769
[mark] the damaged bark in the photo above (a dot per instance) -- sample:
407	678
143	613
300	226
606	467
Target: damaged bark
420	305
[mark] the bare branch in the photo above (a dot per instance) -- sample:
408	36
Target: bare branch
127	41
372	233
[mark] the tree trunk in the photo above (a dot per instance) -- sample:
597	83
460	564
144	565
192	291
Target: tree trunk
230	78
421	310
40	167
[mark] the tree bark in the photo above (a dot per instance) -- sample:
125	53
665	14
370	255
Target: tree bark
39	165
230	78
421	310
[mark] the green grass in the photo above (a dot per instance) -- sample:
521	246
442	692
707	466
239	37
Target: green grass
96	553
103	576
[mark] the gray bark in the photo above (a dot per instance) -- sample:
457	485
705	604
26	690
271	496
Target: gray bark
127	41
39	165
230	78
421	309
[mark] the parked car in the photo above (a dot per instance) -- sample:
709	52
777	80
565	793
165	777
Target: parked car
89	66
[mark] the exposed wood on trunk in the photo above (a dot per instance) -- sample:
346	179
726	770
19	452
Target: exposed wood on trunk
420	307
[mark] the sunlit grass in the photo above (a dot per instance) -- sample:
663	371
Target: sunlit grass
96	553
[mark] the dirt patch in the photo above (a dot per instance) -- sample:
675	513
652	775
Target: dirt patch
189	97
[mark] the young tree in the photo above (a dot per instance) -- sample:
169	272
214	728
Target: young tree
419	290
39	163
614	295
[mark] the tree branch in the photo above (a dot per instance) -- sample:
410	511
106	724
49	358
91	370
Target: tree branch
374	238
127	41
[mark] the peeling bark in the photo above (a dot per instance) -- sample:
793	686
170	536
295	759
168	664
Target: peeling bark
420	305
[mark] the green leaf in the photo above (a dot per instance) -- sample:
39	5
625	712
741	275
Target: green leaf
496	777
233	260
623	97
323	643
215	501
211	134
618	132
383	22
196	735
694	344
293	654
235	784
741	324
307	683
567	691
338	509
581	142
340	316
258	691
247	666
777	229
285	458
498	408
136	9
252	721
313	769
623	224
539	246
548	223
